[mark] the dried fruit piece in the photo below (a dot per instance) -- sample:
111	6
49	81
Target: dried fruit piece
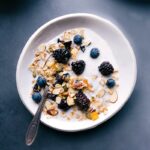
67	44
82	48
92	115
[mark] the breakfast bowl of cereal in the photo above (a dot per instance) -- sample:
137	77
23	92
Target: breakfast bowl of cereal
88	66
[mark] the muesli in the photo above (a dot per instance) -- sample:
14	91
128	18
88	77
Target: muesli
71	93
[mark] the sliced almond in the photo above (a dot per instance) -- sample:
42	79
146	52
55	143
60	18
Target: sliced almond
101	93
103	109
70	101
94	77
53	47
71	92
110	91
115	77
58	90
42	47
102	82
50	63
61	45
58	100
52	112
81	32
45	68
67	36
34	74
74	53
86	43
58	86
48	105
114	97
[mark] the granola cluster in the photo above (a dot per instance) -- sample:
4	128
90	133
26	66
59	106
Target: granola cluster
52	67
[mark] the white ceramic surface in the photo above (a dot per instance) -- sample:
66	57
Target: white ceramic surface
121	50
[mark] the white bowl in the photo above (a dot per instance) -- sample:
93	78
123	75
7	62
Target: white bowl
121	49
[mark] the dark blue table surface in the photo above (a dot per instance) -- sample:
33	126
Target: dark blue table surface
128	130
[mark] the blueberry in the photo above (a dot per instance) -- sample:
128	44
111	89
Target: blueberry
41	81
94	52
78	39
110	83
36	96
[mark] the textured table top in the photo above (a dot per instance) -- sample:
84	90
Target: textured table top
128	130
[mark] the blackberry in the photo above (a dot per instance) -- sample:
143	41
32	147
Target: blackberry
63	105
51	96
82	101
106	68
62	55
78	67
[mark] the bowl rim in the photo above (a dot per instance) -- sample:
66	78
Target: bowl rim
67	16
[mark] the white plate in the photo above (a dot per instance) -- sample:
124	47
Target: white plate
121	49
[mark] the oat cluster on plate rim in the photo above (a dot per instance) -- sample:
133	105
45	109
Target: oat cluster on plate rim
66	97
